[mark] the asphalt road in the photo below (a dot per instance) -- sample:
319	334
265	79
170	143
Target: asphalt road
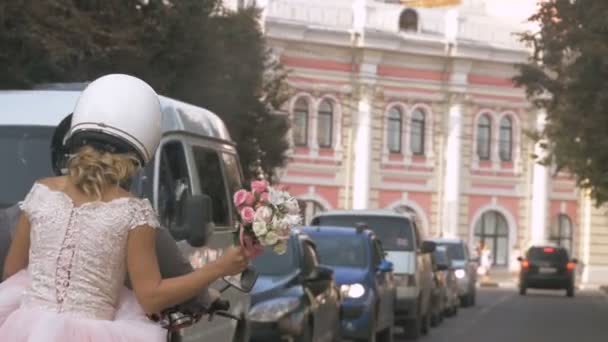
502	315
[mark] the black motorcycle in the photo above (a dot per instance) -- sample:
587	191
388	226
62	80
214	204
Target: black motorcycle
176	319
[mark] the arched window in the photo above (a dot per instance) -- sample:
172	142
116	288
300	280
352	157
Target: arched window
408	21
309	209
393	130
484	137
492	232
325	118
417	132
505	146
300	122
561	232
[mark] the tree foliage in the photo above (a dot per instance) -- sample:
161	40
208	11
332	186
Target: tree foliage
192	50
566	76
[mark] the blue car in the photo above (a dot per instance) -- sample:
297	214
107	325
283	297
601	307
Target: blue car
365	278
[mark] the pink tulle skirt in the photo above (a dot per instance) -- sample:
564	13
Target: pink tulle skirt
39	325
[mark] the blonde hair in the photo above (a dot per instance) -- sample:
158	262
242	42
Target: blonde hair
93	171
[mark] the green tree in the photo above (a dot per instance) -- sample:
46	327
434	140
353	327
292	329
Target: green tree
192	50
566	75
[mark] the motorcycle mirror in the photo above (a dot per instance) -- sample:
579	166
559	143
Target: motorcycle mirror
245	281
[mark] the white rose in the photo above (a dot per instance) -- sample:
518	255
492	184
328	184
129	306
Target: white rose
293	220
292	207
260	228
280	248
270	239
263	214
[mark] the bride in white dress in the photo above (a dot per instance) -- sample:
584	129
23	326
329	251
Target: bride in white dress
78	235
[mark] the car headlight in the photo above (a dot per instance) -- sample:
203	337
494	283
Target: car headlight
460	273
352	290
273	310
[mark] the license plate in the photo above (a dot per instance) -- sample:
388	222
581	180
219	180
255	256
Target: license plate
546	270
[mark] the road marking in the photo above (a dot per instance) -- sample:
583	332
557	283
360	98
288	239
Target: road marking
474	320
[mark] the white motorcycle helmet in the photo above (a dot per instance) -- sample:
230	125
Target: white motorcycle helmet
118	114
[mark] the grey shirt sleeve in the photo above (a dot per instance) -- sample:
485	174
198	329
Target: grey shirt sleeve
172	263
8	223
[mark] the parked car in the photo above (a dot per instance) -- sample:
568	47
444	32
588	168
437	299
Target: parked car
465	268
365	279
445	298
403	243
547	267
196	158
294	298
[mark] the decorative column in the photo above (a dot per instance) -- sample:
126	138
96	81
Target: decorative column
451	188
540	177
362	151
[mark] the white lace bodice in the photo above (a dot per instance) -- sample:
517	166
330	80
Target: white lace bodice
77	259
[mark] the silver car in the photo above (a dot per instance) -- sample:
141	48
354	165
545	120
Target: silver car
465	267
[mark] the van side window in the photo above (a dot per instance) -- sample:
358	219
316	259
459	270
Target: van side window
211	179
173	183
233	172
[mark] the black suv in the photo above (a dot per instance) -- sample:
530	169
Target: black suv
547	267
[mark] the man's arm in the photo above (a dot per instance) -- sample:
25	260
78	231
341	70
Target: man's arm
172	263
8	223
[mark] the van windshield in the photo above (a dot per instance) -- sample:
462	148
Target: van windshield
395	233
26	157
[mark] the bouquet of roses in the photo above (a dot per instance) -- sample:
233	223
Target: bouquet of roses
266	216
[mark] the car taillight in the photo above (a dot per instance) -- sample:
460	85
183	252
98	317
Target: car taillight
525	264
570	266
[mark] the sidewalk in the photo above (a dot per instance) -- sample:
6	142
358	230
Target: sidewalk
499	277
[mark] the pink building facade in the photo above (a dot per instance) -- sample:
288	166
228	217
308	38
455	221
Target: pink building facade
415	109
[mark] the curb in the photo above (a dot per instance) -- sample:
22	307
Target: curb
495	285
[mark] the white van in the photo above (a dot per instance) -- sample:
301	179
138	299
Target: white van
196	157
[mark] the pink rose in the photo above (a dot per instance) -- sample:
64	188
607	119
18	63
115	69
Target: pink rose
259	187
250	200
265	198
240	198
247	215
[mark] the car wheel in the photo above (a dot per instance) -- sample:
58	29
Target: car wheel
523	290
426	324
307	333
464	301
337	334
472	297
570	291
413	328
386	335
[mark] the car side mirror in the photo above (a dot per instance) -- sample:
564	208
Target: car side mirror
428	247
385	266
575	260
520	259
321	273
195	224
245	282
